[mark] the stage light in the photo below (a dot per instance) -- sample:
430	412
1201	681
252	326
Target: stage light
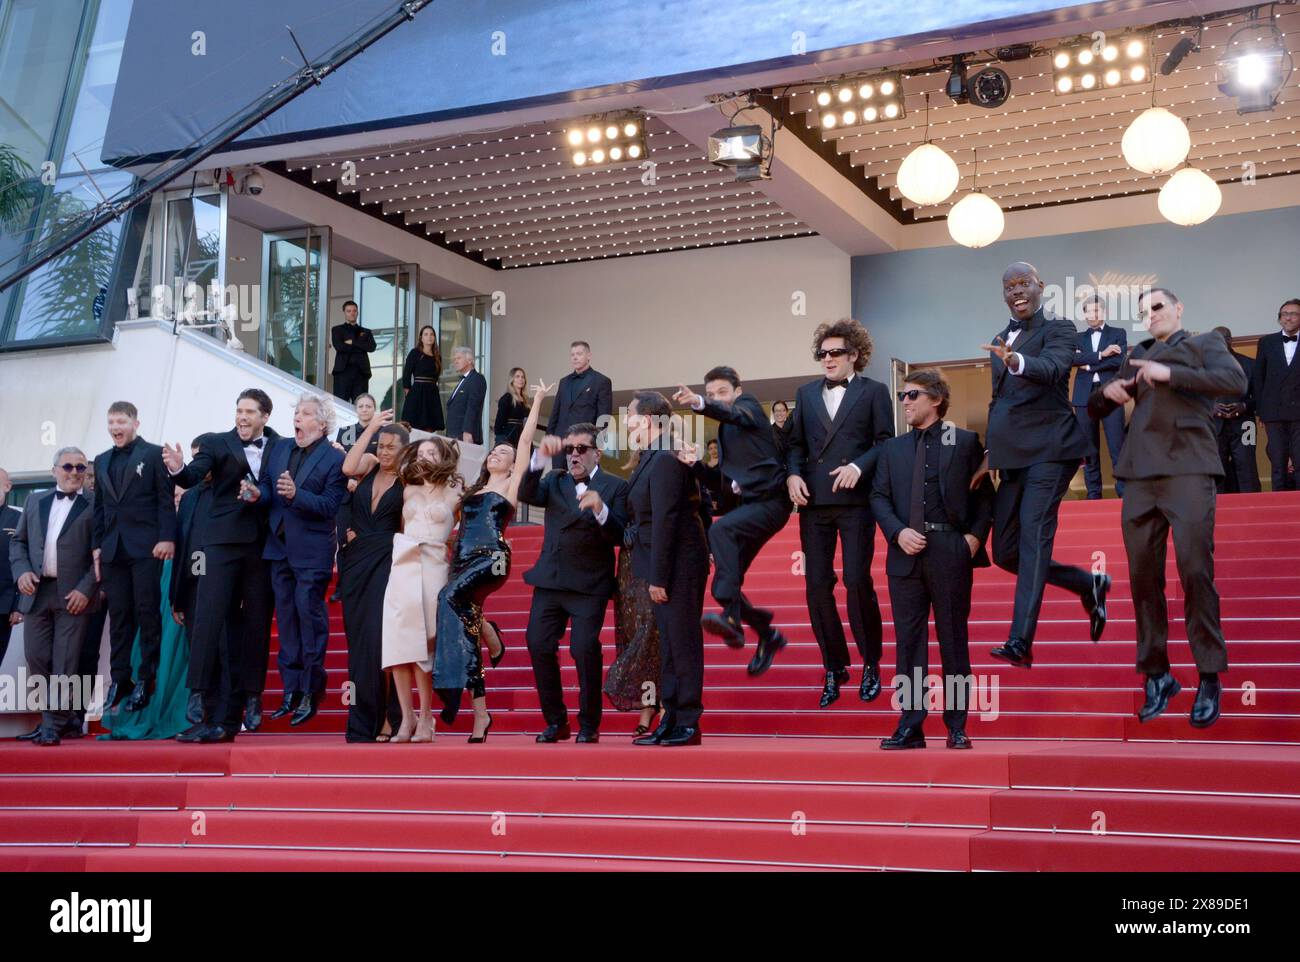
828	120
866	91
743	149
597	156
616	153
606	138
593	135
1076	66
575	138
870	114
579	158
989	88
1189	197
976	221
849	118
823	98
955	86
857	100
629	129
928	175
1255	75
611	132
891	111
634	151
887	88
1156	141
844	94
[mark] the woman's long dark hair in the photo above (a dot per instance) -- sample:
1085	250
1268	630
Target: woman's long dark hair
484	476
419	345
412	469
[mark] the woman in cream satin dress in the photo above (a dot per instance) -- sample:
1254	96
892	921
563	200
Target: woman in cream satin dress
431	490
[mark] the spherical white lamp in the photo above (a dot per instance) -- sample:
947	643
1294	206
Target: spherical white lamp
928	175
1189	197
976	220
1156	142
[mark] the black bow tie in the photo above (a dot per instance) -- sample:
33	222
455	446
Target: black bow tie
60	495
832	385
1289	340
1016	324
255	443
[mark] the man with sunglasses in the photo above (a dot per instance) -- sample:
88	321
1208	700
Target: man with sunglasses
1171	462
839	421
1275	385
573	580
52	558
753	469
1035	443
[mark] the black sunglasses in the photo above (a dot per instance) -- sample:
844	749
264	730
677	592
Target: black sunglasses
831	352
913	394
578	448
79	468
1151	310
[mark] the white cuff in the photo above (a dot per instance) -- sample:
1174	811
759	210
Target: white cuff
735	488
603	516
697	404
857	470
172	473
538	461
1021	359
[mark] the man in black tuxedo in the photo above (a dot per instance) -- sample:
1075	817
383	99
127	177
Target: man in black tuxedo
583	397
192	509
1275	386
1098	352
925	477
839	421
352	346
233	599
1234	423
51	556
135	532
465	405
1171	461
752	469
1035	443
586	511
9	613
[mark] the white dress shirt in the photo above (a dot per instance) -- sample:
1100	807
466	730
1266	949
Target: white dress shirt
1096	347
58	515
832	399
254	455
1288	348
539	463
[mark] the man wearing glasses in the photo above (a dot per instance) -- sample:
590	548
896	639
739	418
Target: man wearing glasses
586	511
839	421
1275	385
1170	462
1035	443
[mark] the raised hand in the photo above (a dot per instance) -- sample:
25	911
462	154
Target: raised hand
998	348
285	486
551	445
172	457
686	397
541	389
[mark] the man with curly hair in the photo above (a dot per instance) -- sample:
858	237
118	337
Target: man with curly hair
839	421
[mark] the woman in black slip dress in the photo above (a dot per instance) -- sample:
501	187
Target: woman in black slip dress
479	566
364	562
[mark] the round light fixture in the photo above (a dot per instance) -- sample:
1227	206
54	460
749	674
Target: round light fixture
1138	74
823	98
976	221
845	95
1062	60
580	158
1189	197
865	91
886	88
1088	81
1065	84
849	118
575	137
593	134
634	151
1085	57
616	153
828	120
1113	77
1135	49
927	175
597	156
1156	142
1110	53
629	129
891	111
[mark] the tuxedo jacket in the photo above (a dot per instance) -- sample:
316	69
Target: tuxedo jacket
1274	384
355	356
891	494
863	420
191	516
1031	419
465	407
748	449
580	399
301	530
577	552
1234	424
130	521
76	565
1085	356
666	535
228	520
1172	430
9	518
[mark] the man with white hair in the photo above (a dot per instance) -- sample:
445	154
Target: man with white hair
302	484
465	406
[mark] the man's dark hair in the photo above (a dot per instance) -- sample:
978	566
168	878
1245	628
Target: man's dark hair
261	397
1294	300
855	337
1224	333
124	407
353	303
1165	291
397	431
583	427
580	344
197	442
723	373
783	404
932	381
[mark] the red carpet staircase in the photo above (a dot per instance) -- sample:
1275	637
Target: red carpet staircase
1062	775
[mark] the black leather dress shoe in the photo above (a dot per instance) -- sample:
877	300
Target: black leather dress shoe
958	739
869	690
724	628
114	697
656	736
217	733
1096	606
253	713
288	706
32	735
72	730
831	690
46	738
1159	689
587	737
1016	651
140	695
1205	710
907	736
306	710
554	733
194	708
194	734
768	646
681	735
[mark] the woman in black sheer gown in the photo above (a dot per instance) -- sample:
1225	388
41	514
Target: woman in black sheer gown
364	563
422	408
512	409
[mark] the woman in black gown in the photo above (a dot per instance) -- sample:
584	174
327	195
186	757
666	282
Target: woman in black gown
479	566
512	409
669	551
364	563
782	426
422	409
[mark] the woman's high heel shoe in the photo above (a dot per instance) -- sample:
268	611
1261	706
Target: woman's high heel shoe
482	738
495	660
